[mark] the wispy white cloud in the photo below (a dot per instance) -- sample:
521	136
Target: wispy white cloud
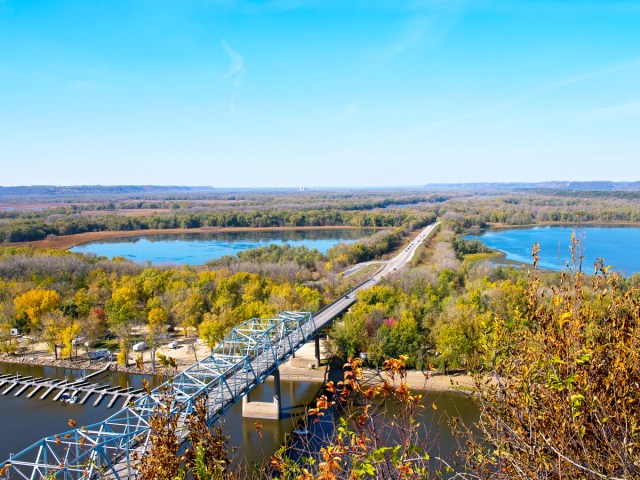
613	112
566	82
83	85
349	110
429	23
237	68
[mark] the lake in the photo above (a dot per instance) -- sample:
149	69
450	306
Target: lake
199	248
618	246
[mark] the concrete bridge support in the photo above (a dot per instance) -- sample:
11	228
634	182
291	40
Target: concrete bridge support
317	347
264	410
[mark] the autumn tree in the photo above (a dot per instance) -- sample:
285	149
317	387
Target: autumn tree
93	326
121	311
68	336
51	328
212	329
34	303
565	399
6	324
6	341
189	311
156	321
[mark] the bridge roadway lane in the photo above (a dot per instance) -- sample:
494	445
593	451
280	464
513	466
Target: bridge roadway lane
326	316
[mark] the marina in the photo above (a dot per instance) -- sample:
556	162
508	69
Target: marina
77	391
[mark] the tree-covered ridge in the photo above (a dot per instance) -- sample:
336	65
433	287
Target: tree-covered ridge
76	190
481	210
29	219
31	227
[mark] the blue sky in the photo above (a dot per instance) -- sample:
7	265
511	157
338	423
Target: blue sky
318	93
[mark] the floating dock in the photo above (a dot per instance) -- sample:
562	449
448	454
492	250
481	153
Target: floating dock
80	388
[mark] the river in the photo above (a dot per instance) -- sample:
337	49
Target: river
26	420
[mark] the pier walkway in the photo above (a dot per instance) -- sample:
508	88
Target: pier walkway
77	391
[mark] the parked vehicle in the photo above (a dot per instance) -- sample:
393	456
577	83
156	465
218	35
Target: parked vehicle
97	354
139	347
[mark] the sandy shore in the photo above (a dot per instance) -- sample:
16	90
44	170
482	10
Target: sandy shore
38	354
415	380
69	241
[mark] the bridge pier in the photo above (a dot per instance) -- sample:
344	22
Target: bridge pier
317	348
265	410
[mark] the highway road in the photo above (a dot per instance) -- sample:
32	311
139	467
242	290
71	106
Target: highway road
326	316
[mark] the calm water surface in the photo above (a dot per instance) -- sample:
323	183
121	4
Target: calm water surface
199	248
619	246
24	421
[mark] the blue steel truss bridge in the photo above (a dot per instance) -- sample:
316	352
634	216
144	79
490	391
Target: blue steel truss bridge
245	358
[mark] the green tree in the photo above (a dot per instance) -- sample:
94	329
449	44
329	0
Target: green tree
51	328
121	311
189	312
212	329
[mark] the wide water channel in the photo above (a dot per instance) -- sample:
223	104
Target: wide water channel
199	248
24	421
619	246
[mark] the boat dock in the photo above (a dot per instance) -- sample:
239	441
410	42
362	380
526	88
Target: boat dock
79	389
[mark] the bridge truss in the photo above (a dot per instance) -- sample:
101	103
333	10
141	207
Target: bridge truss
245	358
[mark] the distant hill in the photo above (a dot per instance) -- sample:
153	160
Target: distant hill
79	190
555	185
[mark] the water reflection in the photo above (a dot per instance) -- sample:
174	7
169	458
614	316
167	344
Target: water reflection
197	249
26	420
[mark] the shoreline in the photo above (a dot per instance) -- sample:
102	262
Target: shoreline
83	364
416	380
593	223
65	242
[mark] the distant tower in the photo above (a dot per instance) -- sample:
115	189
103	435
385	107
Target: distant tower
302	189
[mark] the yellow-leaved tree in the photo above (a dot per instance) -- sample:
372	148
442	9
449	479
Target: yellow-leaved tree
34	303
